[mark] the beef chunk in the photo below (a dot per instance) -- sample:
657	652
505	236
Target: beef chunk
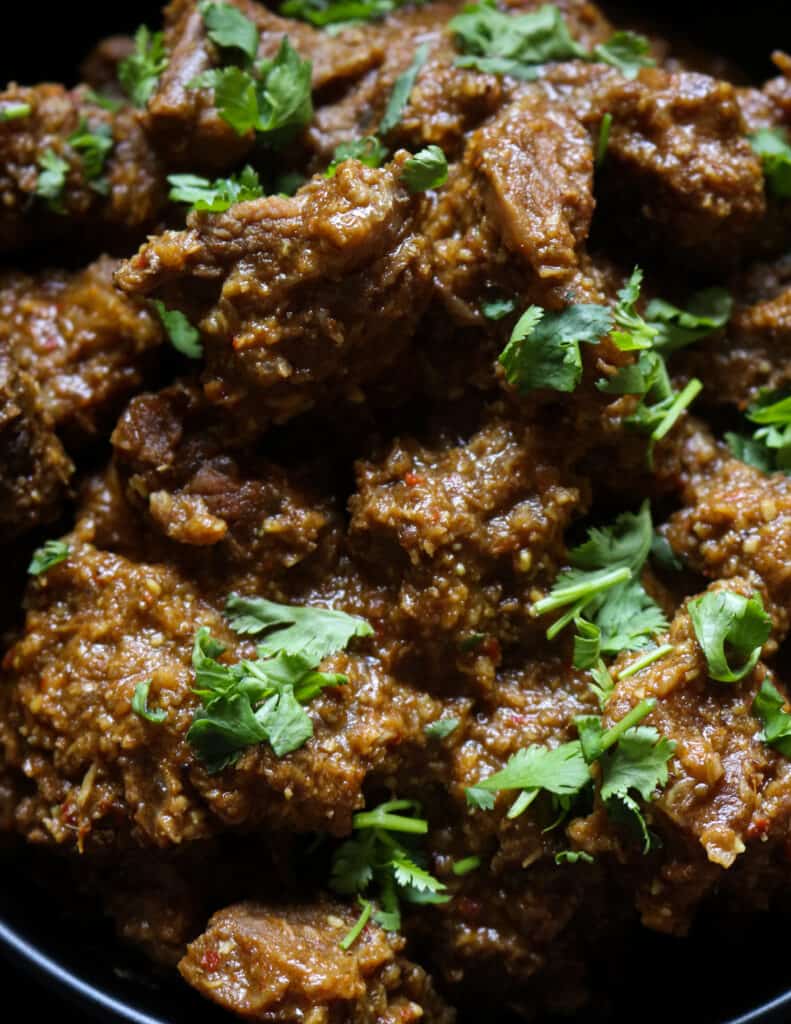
97	625
183	122
464	531
83	341
234	510
302	300
35	469
285	964
736	521
679	170
123	209
516	209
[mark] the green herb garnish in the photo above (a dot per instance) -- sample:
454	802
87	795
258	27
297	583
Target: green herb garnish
722	618
51	553
442	728
427	169
183	336
140	705
769	706
769	447
139	72
773	146
52	179
229	28
218	195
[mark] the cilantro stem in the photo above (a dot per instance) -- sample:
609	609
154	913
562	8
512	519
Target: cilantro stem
355	931
647	659
522	802
381	817
465	866
592	584
604	139
634	717
684	398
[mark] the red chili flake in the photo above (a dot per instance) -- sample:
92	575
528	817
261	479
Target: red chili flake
210	961
491	648
516	719
758	828
413	479
469	908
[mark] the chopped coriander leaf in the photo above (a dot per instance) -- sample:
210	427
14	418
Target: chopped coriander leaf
338	12
140	705
218	195
251	702
52	179
676	328
663	555
626	51
442	728
773	146
368	150
93	145
276	104
769	447
658	419
512	44
634	332
561	771
496	309
465	866
183	336
384	855
427	169
604	139
769	706
544	347
312	633
105	102
235	96
402	90
595	740
573	857
15	111
602	593
603	685
229	28
139	72
639	763
722	618
356	930
51	553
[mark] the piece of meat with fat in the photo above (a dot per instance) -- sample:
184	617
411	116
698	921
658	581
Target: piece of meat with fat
300	300
94	774
183	122
679	170
285	964
35	469
85	343
516	210
85	212
226	509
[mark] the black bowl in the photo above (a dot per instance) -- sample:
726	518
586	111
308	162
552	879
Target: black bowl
728	971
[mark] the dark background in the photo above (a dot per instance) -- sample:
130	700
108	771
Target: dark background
721	971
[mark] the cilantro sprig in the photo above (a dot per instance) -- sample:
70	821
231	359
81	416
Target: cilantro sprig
140	705
139	73
94	145
769	707
518	44
728	624
52	172
602	594
339	12
632	759
218	195
272	98
50	554
182	335
369	150
229	28
428	168
773	146
383	859
769	447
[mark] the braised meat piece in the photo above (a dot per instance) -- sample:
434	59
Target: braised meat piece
35	469
300	300
114	778
284	964
52	185
183	122
84	342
